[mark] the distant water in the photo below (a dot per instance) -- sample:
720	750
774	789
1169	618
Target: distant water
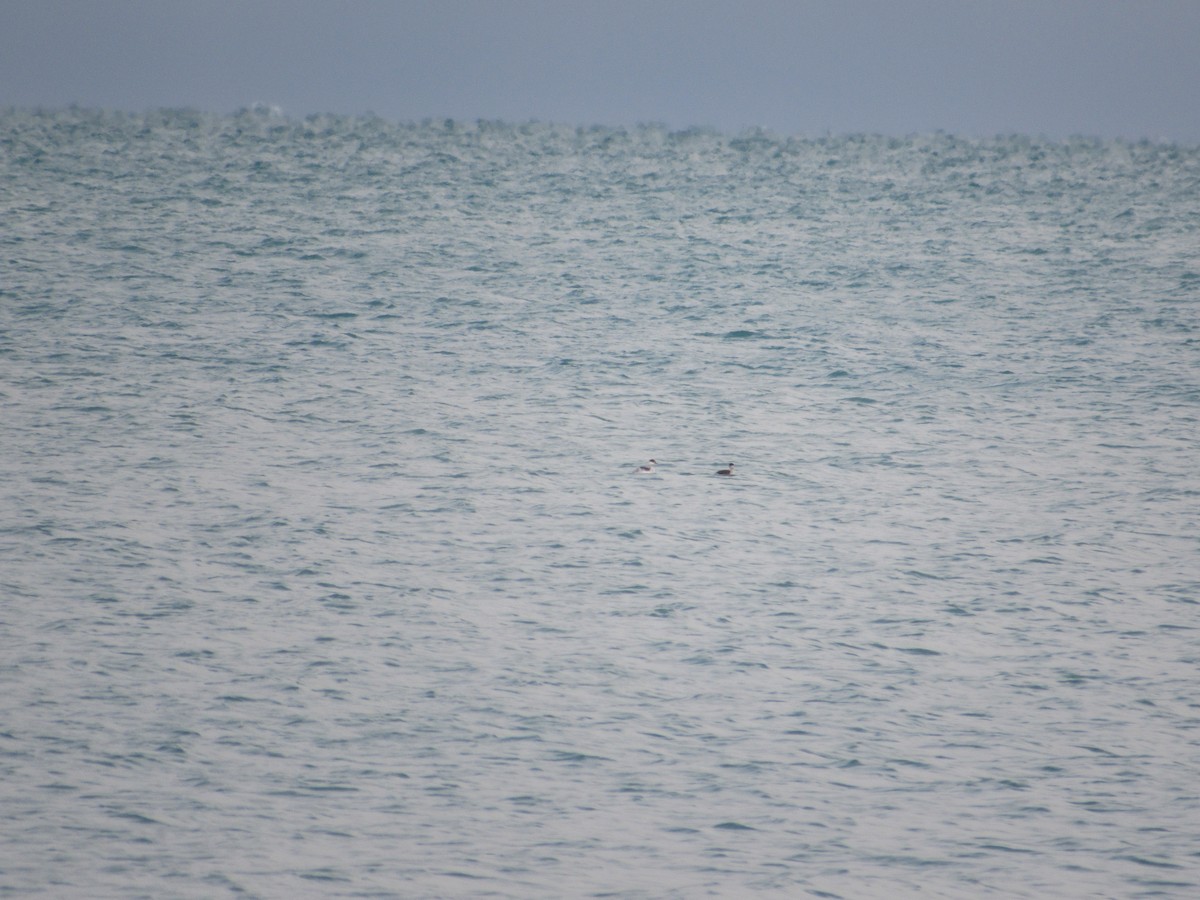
325	572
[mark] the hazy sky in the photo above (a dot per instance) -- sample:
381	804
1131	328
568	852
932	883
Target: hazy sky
976	67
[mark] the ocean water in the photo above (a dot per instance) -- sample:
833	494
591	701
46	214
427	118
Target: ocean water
324	569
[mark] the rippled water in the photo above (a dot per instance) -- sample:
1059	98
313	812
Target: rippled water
325	572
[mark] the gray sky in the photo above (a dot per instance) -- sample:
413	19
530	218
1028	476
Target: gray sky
807	67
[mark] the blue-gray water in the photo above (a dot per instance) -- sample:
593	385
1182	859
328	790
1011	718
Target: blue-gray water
325	572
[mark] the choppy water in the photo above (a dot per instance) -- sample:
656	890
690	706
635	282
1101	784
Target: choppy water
324	571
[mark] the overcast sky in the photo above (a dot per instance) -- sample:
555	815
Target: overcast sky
1128	68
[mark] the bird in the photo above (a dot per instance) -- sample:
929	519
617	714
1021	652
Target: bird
728	471
647	469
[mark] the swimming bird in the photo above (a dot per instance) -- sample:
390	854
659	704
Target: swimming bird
648	468
728	471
